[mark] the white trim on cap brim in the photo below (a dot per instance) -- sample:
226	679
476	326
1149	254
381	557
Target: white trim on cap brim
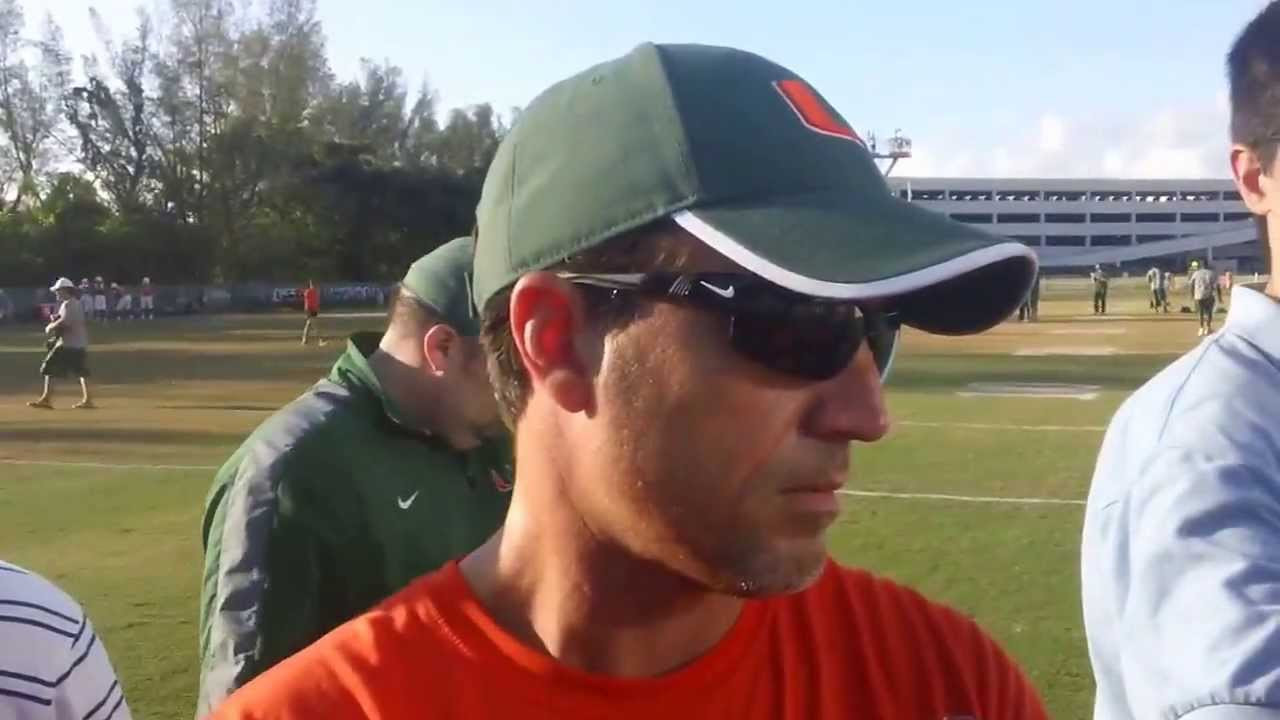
888	287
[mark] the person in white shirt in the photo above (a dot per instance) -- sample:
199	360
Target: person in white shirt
1179	574
52	664
86	298
124	303
68	354
100	298
147	300
1204	285
1159	298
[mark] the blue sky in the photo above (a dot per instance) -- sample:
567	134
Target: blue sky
990	87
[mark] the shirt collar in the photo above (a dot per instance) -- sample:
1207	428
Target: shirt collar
1255	317
355	364
492	454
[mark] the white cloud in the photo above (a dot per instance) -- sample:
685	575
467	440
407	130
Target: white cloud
1053	133
1168	142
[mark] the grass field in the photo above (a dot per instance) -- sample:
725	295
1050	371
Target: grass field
120	531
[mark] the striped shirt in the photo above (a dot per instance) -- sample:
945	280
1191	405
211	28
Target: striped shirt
52	664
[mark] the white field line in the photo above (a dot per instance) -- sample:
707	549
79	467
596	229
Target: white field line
1089	331
963	498
909	423
1053	396
1085	350
989	426
104	466
859	493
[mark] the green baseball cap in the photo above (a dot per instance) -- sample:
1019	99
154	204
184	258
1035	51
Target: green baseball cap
749	158
442	279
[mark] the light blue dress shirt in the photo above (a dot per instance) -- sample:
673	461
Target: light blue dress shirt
1180	559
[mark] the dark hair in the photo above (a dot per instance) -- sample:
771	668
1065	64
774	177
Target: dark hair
1253	70
409	313
644	249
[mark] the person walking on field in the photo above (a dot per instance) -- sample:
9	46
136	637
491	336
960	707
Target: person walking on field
1204	287
1029	311
311	305
1155	281
1100	282
69	352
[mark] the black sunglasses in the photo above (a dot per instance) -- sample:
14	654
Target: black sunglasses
794	334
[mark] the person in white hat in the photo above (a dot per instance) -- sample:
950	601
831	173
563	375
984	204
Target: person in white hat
69	352
147	300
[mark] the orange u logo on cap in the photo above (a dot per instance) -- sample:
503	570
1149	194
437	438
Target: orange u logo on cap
813	111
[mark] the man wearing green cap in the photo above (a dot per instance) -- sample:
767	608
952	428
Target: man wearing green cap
390	467
691	275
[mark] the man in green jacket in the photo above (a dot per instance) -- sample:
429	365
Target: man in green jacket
390	467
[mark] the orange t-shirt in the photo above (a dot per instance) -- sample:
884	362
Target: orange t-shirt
850	646
310	299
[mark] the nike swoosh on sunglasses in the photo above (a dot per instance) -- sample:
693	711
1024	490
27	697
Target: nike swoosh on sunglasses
797	335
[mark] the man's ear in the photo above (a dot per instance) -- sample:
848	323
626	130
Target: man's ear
442	348
1259	190
546	316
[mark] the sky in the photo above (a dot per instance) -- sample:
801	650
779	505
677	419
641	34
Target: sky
987	88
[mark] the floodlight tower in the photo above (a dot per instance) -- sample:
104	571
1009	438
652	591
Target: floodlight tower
899	148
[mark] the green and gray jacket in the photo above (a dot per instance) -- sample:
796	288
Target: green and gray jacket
330	506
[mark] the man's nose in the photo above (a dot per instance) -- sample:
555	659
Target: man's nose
851	405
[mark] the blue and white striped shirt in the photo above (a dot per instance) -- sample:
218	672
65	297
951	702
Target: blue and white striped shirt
52	663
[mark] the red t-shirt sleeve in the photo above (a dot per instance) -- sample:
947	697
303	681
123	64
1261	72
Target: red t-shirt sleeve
954	665
359	671
302	687
1003	690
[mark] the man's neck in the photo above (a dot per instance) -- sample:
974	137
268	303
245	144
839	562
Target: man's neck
401	381
549	581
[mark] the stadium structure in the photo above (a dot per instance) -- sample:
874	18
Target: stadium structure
1125	224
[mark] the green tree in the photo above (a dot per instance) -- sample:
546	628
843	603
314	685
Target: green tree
215	144
67	220
468	142
30	96
109	114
